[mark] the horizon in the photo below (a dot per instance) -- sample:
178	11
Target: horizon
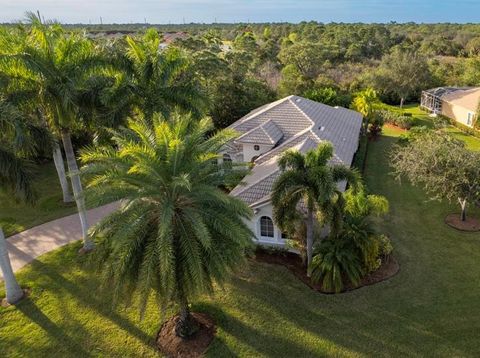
232	12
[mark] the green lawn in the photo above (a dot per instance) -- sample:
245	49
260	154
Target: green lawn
16	217
424	119
430	308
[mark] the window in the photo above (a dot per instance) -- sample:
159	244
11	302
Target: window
266	227
227	160
284	236
470	118
256	147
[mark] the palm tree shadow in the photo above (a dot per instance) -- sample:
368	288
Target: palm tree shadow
261	342
90	299
30	310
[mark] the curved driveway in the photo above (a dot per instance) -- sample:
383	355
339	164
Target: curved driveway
24	247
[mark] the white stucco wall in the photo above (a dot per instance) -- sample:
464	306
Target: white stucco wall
249	152
254	224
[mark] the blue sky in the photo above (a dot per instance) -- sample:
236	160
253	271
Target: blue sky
177	11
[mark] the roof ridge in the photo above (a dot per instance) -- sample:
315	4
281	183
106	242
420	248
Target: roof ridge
259	180
301	110
261	127
266	109
324	140
284	143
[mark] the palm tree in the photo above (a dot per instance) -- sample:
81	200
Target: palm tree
353	247
154	80
176	232
307	184
15	137
57	65
366	102
21	88
15	177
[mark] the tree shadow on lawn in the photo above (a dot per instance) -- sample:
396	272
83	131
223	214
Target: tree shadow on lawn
260	341
58	334
363	330
86	293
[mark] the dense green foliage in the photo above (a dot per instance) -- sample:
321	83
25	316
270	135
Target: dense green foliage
176	232
441	165
266	311
308	181
353	248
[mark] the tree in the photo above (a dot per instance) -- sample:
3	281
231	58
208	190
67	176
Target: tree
441	165
57	64
20	86
307	181
156	81
325	95
402	74
353	248
177	232
15	177
292	81
367	103
307	57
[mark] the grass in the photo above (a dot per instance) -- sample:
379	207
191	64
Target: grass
16	217
423	119
430	308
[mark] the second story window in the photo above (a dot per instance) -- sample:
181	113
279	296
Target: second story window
256	147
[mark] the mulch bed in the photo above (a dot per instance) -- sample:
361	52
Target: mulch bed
470	224
293	262
173	346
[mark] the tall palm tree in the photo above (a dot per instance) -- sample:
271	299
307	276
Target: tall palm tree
307	185
57	64
21	88
176	232
155	80
16	137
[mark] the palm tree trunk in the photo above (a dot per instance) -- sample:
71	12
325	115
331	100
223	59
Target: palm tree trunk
60	167
12	288
88	245
309	239
185	326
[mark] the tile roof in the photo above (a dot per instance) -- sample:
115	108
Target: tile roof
304	124
468	98
266	133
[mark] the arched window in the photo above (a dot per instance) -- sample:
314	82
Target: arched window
227	160
256	147
266	227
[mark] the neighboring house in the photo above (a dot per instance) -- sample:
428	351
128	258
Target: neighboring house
266	132
457	103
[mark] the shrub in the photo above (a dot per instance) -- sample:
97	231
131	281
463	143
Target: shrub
336	263
396	119
375	124
412	134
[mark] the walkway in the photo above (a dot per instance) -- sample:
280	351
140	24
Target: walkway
24	247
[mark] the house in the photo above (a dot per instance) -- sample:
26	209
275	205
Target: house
457	103
266	132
